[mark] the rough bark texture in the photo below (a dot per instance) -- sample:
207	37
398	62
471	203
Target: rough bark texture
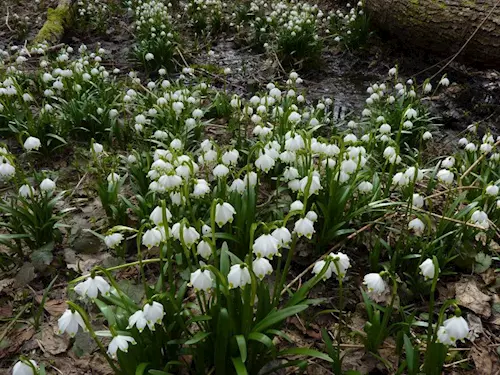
57	20
443	26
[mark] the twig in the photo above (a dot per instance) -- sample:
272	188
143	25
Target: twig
7	19
457	362
450	190
479	159
78	184
348	238
448	218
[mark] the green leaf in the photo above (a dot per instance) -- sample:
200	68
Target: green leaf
277	316
224	259
222	341
107	311
242	346
262	338
141	368
239	366
306	352
483	262
197	338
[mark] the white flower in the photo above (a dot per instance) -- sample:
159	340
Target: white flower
69	323
6	170
427	269
238	276
156	215
365	187
113	240
238	186
265	246
486	148
443	337
296	206
399	179
204	249
32	143
201	280
492	190
201	188
427	88
311	215
262	267
97	148
26	191
456	328
385	129
220	171
375	283
283	236
21	368
445	176
304	227
230	157
137	319
417	226
411	113
264	162
448	163
190	236
480	218
119	342
341	261
176	144
418	200
47	185
152	237
92	286
149	56
153	313
224	214
318	267
392	71
426	136
444	81
471	147
294	117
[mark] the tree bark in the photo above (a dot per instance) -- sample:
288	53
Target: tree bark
443	26
57	21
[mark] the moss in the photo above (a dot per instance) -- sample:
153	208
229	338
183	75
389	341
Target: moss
57	19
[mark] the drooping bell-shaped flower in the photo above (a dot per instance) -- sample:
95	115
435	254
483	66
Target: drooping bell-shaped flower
427	269
32	143
283	236
22	368
318	267
224	213
92	286
153	313
120	342
262	267
201	280
69	322
152	237
238	276
375	283
304	227
265	246
137	319
339	263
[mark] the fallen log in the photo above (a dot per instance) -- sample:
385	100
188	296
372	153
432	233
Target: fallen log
443	26
58	20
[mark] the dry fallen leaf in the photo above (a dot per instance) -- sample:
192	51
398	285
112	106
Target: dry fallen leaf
16	339
54	307
5	284
51	342
475	326
486	361
468	295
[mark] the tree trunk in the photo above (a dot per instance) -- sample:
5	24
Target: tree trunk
443	26
57	21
